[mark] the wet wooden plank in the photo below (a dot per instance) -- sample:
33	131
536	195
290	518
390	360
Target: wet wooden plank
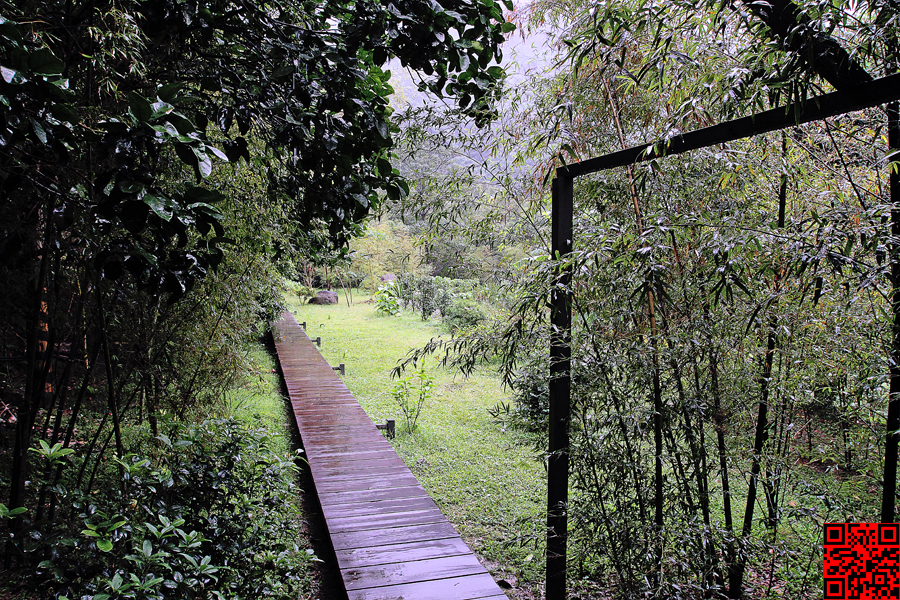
375	481
324	474
362	455
413	533
373	496
411	572
388	521
385	554
469	587
379	508
390	539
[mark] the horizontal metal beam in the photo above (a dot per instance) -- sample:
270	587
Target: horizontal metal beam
865	95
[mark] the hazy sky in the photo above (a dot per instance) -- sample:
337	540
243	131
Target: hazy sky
522	53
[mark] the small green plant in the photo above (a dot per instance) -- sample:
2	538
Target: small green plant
387	299
411	393
305	293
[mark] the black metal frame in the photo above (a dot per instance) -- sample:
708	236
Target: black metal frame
868	95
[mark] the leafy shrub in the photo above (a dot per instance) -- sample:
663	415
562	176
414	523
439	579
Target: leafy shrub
531	393
427	295
305	293
387	299
463	313
211	514
530	386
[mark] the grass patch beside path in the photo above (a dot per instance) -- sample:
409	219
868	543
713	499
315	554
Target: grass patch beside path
487	481
257	402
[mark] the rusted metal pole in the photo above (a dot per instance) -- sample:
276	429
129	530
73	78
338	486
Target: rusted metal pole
560	390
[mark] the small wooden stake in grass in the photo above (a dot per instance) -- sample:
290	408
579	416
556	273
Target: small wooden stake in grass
340	369
389	427
318	341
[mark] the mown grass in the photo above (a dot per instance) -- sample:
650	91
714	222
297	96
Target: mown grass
487	480
258	402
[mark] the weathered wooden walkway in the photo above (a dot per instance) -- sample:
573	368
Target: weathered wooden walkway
390	539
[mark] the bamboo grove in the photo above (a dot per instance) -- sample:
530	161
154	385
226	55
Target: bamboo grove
732	308
732	349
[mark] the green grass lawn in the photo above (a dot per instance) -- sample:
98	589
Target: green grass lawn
487	480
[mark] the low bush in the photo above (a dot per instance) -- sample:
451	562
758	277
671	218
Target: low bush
209	512
305	293
463	313
411	394
427	295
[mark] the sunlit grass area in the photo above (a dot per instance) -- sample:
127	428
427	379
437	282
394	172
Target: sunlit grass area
487	480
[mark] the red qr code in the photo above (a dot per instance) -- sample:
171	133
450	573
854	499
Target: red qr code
861	561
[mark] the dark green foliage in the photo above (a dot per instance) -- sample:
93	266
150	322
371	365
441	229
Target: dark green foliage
387	299
209	511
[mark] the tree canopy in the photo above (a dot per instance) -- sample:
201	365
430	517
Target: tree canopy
142	143
114	114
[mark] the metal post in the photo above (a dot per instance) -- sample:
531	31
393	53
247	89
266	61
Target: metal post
889	491
303	324
560	354
318	341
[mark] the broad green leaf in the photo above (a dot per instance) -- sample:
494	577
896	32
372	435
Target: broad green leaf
186	154
131	187
169	92
182	124
44	62
218	153
204	164
282	72
104	545
140	107
162	208
203	195
160	109
64	112
39	131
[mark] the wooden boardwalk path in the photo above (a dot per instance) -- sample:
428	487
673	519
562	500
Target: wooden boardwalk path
389	537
